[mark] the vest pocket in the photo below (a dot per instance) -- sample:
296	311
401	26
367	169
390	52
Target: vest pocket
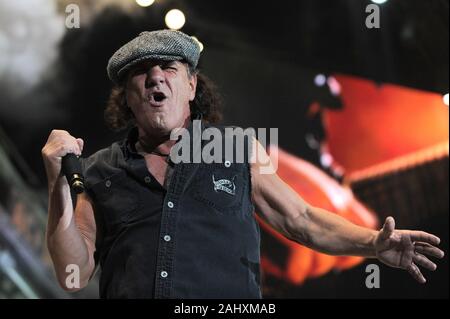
220	187
116	197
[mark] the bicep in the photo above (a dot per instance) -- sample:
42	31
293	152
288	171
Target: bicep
275	201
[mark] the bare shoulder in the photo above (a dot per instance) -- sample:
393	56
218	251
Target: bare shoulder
264	178
261	164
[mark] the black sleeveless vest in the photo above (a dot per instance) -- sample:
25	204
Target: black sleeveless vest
197	239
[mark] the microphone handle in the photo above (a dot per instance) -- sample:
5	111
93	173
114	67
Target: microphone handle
71	168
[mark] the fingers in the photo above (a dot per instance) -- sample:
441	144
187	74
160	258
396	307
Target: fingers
424	237
415	272
69	145
423	261
388	228
420	260
427	249
60	143
80	144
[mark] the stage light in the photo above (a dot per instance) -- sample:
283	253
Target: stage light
334	85
145	3
379	1
445	99
199	43
320	80
175	19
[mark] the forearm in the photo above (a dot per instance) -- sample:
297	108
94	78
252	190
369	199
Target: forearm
65	242
331	234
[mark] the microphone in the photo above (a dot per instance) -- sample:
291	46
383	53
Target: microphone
71	167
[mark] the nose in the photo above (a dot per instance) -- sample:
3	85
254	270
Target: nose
155	76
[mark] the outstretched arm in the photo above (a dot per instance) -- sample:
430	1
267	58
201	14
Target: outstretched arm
282	208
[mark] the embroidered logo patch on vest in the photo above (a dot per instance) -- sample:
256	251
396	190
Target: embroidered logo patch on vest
224	185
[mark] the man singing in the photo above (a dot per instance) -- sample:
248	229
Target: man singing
160	229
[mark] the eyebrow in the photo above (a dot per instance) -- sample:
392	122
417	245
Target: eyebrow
169	62
153	63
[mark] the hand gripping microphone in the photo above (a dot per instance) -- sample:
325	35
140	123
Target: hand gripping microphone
71	168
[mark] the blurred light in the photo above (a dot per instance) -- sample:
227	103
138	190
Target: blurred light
199	43
29	38
379	1
445	99
320	80
334	85
175	19
145	3
326	159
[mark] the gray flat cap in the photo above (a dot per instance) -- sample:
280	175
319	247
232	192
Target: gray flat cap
167	45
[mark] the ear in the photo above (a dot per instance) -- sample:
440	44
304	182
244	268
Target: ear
193	87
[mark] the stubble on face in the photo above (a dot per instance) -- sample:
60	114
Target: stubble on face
160	121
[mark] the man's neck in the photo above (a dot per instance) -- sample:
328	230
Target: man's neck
154	143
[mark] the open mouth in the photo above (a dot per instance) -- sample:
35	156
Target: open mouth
157	97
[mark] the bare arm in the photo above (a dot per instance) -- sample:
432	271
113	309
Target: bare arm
282	208
70	234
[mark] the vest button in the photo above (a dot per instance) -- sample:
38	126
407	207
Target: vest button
170	204
227	164
108	183
164	274
147	179
167	238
